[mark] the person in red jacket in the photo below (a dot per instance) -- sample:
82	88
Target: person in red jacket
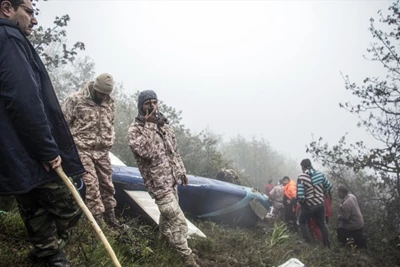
268	187
312	223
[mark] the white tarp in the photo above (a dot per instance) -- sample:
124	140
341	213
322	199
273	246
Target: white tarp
144	200
116	161
292	263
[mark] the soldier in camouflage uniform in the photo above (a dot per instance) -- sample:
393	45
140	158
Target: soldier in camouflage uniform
276	197
228	175
90	116
34	139
153	144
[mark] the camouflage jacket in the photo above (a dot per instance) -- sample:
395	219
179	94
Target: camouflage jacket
276	196
91	125
157	157
228	175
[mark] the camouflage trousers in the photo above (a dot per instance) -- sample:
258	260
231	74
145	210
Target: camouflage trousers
48	211
99	187
173	223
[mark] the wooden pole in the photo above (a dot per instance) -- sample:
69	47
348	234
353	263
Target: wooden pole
88	214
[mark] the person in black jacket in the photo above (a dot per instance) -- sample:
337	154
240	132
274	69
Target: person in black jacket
34	138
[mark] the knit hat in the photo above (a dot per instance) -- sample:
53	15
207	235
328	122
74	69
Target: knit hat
143	96
104	83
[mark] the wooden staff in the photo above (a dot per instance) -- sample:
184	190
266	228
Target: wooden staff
88	214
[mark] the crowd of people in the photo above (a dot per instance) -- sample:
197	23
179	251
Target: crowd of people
307	204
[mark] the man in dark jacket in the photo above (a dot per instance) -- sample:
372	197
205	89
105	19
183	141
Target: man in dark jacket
34	138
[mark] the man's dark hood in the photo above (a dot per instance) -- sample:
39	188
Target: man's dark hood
143	96
146	95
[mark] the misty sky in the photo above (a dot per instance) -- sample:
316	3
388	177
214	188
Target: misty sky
256	68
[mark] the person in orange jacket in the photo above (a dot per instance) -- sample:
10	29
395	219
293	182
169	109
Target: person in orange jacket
289	200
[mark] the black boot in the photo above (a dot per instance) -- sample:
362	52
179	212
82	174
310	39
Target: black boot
57	260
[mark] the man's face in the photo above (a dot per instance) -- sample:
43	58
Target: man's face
23	15
149	103
285	181
98	97
341	194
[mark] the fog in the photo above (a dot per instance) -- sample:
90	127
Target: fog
267	69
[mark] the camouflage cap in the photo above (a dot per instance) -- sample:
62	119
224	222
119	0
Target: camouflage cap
143	96
104	83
